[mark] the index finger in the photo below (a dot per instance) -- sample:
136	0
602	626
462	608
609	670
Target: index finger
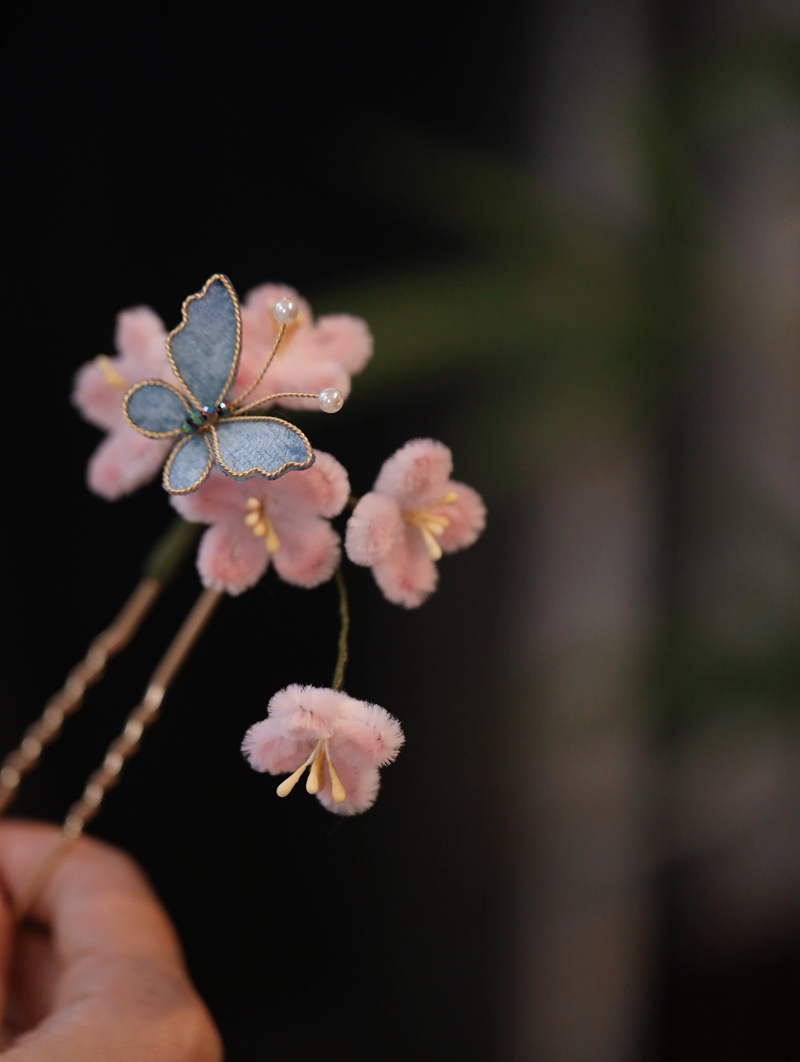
95	902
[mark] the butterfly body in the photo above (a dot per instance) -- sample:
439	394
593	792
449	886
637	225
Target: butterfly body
204	353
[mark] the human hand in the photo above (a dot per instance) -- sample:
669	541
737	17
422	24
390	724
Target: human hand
95	973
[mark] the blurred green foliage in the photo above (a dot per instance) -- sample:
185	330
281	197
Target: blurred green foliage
551	317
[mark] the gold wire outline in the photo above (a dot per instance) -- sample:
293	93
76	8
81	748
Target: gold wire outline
143	431
185	320
174	453
212	431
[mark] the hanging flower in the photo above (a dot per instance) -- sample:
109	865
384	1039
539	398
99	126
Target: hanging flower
124	460
413	515
312	357
342	743
258	521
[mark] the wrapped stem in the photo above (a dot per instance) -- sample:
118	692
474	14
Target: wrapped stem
344	630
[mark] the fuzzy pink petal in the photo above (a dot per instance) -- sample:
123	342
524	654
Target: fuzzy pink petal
220	498
96	400
369	731
467	518
416	474
309	552
361	783
123	462
321	490
375	527
345	340
139	331
267	748
407	575
231	558
307	711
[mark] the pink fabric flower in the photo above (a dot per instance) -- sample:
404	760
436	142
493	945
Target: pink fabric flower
311	356
414	514
343	741
125	459
257	521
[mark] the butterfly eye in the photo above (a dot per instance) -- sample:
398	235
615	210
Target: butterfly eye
212	414
194	421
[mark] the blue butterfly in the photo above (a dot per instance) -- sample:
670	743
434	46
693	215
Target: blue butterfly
204	354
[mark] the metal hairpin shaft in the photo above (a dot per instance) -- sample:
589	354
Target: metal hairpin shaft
142	716
70	697
160	566
121	750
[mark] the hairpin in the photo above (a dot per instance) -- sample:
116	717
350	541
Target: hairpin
196	403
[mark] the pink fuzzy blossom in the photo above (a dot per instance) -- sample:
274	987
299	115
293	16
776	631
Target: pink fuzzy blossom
343	741
258	521
413	515
312	356
125	459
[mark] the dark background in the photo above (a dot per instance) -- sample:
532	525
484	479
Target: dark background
143	151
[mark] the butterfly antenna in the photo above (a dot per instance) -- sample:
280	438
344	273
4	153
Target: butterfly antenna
262	374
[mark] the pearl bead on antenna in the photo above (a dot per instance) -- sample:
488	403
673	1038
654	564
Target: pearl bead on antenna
286	310
330	400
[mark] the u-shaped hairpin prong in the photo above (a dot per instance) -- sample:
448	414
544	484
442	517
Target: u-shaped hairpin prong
161	565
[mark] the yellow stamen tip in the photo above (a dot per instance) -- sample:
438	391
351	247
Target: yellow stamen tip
252	519
433	547
450	498
110	374
288	784
316	776
253	503
337	789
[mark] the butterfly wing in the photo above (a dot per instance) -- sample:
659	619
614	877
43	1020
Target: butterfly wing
204	349
188	465
155	409
260	446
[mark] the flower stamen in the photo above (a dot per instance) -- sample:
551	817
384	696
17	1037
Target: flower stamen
430	524
288	784
316	776
110	374
261	524
337	789
315	782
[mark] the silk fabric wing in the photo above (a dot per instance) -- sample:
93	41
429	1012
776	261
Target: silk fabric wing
260	446
188	465
204	350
